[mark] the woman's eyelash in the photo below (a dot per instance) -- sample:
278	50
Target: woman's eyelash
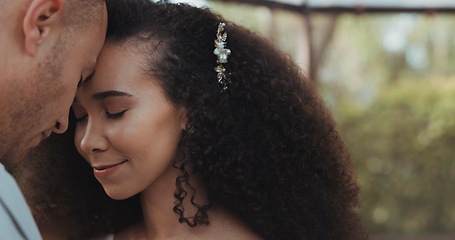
115	115
108	115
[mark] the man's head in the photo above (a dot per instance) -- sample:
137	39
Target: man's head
47	47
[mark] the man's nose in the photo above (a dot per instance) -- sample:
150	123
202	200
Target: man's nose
61	125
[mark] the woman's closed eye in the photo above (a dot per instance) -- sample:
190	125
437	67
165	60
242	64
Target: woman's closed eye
115	115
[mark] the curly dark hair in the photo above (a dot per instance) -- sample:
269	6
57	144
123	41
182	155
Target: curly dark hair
267	149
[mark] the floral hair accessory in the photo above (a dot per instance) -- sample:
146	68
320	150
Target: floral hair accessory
222	53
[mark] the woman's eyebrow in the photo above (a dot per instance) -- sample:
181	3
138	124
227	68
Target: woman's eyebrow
111	93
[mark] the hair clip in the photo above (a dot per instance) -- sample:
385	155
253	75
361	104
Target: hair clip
222	53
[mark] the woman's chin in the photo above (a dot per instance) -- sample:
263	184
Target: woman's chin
118	195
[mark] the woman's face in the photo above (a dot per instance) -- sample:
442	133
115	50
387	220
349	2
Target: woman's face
126	130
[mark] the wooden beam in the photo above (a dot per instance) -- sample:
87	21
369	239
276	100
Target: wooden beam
352	9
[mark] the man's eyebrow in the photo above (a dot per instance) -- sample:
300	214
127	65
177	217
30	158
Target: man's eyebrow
112	93
84	81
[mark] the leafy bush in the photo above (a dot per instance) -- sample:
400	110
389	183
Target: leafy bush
403	146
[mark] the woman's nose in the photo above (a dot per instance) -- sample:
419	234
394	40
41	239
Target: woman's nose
93	139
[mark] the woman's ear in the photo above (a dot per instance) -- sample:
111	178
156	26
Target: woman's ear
41	18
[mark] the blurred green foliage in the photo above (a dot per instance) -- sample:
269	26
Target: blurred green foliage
395	105
403	148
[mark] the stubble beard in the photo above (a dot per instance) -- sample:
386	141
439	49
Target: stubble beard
28	106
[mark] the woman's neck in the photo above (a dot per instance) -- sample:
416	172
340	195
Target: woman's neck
158	201
160	221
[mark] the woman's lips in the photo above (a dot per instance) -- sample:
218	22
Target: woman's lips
106	170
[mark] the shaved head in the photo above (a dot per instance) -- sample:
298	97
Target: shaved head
79	13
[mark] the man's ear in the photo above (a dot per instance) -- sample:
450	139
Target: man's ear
40	18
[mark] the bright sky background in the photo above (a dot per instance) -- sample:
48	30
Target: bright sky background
198	3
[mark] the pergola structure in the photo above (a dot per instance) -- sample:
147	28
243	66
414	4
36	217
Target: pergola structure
356	6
